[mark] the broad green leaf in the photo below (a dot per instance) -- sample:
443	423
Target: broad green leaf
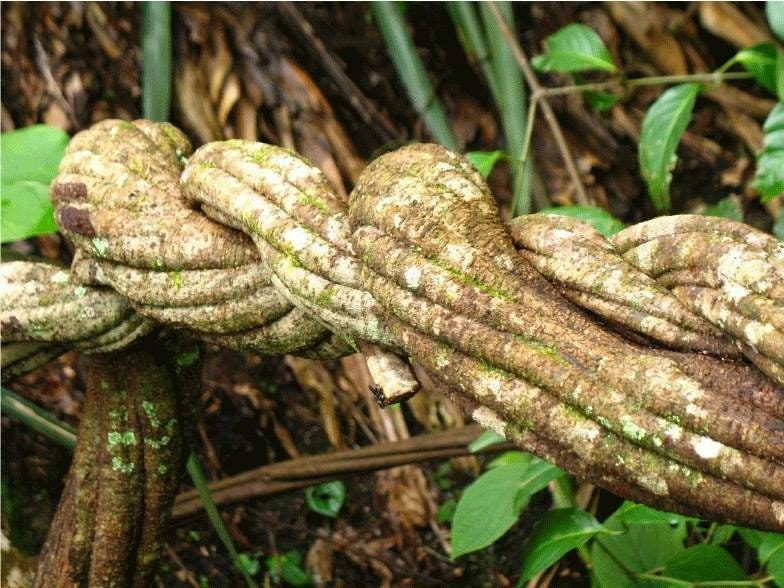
760	61
703	563
574	48
326	499
288	568
249	563
770	551
769	180
649	539
557	533
774	9
30	158
484	161
633	513
486	439
507	457
723	534
491	504
600	219
26	210
662	129
728	207
775	567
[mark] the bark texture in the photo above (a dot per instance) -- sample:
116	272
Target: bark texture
110	526
686	414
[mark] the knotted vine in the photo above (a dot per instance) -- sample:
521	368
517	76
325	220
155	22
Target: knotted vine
666	389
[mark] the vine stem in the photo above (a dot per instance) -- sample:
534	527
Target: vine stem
541	94
547	110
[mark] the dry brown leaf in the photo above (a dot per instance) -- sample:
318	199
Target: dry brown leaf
318	562
727	22
231	93
193	103
314	377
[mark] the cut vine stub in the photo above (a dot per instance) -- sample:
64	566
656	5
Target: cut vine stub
110	525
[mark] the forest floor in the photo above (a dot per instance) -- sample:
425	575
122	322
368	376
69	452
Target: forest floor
265	71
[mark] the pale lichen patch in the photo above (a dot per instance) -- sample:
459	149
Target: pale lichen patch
412	276
707	448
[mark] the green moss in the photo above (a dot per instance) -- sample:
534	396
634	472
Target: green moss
324	298
188	358
151	412
118	465
176	279
469	280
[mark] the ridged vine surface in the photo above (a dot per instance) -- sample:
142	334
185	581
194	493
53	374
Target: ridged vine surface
668	391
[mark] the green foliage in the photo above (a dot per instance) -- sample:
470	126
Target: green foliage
486	439
662	129
326	499
484	161
703	563
30	158
769	180
645	541
761	61
556	534
491	504
574	48
249	563
600	219
288	568
774	9
728	207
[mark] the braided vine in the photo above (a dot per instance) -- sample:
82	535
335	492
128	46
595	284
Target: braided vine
666	389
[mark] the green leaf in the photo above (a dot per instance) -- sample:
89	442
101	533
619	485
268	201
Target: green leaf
249	563
649	538
574	48
769	180
491	504
601	101
326	499
557	533
484	161
722	534
662	128
774	9
30	158
703	563
486	439
600	219
288	568
728	207
446	512
760	61
518	457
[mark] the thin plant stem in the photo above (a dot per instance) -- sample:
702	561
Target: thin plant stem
37	419
547	110
157	56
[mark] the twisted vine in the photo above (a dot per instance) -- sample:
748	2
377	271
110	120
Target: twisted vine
667	392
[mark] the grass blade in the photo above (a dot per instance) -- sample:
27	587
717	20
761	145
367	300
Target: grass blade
36	418
199	481
157	60
511	102
401	50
